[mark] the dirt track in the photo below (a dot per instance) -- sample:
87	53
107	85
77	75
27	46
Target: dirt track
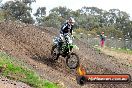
6	83
32	45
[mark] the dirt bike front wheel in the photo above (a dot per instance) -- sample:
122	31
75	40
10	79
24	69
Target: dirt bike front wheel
72	61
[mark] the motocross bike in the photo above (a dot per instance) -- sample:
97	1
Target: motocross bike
72	59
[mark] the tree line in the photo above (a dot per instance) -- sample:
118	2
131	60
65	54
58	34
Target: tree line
115	23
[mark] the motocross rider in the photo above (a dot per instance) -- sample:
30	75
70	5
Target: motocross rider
66	29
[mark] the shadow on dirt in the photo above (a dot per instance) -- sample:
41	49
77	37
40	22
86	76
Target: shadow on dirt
57	65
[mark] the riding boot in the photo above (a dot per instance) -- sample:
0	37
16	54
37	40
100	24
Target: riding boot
59	47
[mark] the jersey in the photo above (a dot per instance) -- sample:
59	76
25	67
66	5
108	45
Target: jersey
102	37
66	28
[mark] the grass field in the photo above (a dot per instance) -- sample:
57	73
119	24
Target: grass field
128	51
119	50
15	71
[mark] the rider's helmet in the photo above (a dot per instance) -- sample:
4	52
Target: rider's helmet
71	20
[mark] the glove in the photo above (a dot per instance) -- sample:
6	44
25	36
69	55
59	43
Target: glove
61	37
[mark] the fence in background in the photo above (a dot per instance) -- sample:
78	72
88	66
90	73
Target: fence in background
110	42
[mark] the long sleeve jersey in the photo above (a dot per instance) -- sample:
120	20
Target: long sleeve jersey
66	28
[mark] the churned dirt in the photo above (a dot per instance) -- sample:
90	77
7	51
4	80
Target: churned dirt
6	83
32	45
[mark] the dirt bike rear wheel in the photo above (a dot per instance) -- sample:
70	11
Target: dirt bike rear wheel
72	61
54	54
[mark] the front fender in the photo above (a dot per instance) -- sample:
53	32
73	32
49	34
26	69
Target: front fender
75	47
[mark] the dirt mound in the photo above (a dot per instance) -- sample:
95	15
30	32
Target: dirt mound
32	45
36	40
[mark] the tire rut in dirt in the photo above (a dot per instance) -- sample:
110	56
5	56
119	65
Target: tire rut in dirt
59	64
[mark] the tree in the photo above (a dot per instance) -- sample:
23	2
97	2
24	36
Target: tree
0	3
91	10
28	2
53	20
114	22
56	17
17	10
40	14
61	11
41	11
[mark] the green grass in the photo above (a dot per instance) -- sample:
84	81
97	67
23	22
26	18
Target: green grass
122	50
12	70
77	36
1	15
